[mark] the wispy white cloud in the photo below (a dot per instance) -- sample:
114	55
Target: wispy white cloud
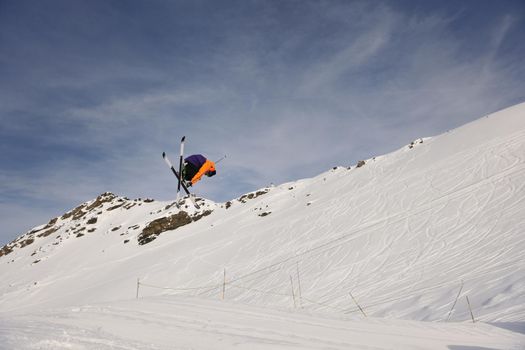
501	29
358	48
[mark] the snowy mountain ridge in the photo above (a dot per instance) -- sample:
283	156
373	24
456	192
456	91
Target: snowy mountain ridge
408	235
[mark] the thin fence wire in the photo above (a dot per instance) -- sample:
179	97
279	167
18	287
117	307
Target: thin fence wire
304	299
178	289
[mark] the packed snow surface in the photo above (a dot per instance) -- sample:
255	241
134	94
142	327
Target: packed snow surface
359	257
190	323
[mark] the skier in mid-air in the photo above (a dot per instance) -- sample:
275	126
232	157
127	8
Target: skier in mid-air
195	166
191	170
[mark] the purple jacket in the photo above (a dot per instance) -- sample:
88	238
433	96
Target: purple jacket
196	160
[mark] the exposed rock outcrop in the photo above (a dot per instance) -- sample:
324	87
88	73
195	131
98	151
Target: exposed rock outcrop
168	223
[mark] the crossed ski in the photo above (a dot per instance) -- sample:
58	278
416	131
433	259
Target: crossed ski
179	174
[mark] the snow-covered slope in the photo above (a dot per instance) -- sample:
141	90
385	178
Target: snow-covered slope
190	323
410	235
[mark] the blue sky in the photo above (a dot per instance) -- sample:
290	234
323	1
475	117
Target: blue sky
92	92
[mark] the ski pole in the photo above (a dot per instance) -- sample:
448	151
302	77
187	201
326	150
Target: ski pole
180	163
217	161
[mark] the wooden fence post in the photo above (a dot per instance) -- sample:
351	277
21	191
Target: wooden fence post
355	301
455	301
471	314
224	285
293	292
300	292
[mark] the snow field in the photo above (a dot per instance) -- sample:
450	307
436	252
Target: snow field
410	234
190	323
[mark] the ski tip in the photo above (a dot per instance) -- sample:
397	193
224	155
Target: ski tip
163	154
183	138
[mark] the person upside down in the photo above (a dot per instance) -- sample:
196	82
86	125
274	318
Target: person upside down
195	166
